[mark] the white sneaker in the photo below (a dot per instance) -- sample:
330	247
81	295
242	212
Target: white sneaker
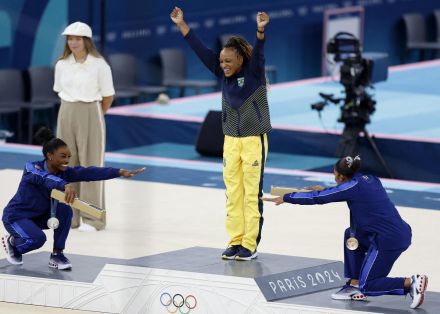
86	228
417	289
12	257
349	292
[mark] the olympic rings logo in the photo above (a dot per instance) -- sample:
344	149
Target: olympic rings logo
178	302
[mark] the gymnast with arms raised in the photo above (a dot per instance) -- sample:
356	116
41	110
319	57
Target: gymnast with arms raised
246	124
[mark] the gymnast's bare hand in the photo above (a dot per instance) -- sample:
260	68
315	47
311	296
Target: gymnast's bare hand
129	173
70	193
277	200
177	15
262	20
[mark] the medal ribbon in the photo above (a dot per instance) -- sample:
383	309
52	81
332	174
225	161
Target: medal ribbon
53	207
352	226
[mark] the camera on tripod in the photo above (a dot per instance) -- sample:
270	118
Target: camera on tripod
357	73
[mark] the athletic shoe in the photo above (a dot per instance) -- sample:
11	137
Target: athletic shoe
13	257
59	261
417	290
245	255
230	252
348	292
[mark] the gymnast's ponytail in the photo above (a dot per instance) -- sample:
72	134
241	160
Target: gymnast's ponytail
50	143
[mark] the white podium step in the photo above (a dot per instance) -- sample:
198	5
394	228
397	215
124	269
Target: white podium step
141	286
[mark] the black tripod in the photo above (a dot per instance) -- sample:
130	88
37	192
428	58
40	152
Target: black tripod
349	144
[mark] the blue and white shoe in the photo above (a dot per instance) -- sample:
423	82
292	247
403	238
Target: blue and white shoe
245	255
349	292
417	290
13	257
59	261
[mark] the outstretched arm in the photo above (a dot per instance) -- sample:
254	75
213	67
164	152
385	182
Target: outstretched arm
78	174
341	193
319	195
130	173
71	194
277	200
314	188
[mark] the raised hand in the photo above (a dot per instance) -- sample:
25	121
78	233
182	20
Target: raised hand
129	173
277	200
177	15
262	20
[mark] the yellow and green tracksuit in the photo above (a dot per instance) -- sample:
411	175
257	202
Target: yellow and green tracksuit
246	122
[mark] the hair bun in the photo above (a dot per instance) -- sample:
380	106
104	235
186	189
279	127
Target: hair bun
348	165
43	135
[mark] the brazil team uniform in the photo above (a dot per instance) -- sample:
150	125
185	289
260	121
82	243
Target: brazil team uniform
246	122
382	234
28	211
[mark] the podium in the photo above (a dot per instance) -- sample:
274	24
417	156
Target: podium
139	285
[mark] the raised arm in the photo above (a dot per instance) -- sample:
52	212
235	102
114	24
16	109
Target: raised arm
257	59
206	55
177	17
262	21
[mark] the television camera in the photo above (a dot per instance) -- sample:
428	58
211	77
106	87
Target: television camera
357	74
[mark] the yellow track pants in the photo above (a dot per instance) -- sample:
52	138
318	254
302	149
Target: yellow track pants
243	166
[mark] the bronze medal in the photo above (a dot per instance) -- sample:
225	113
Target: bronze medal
352	243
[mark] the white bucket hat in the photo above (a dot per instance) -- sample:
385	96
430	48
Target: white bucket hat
78	29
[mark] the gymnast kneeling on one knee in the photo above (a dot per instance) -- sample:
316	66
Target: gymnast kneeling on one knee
27	213
376	238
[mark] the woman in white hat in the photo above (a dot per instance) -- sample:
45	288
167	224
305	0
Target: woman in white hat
83	81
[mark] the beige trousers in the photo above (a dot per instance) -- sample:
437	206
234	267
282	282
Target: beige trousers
82	126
